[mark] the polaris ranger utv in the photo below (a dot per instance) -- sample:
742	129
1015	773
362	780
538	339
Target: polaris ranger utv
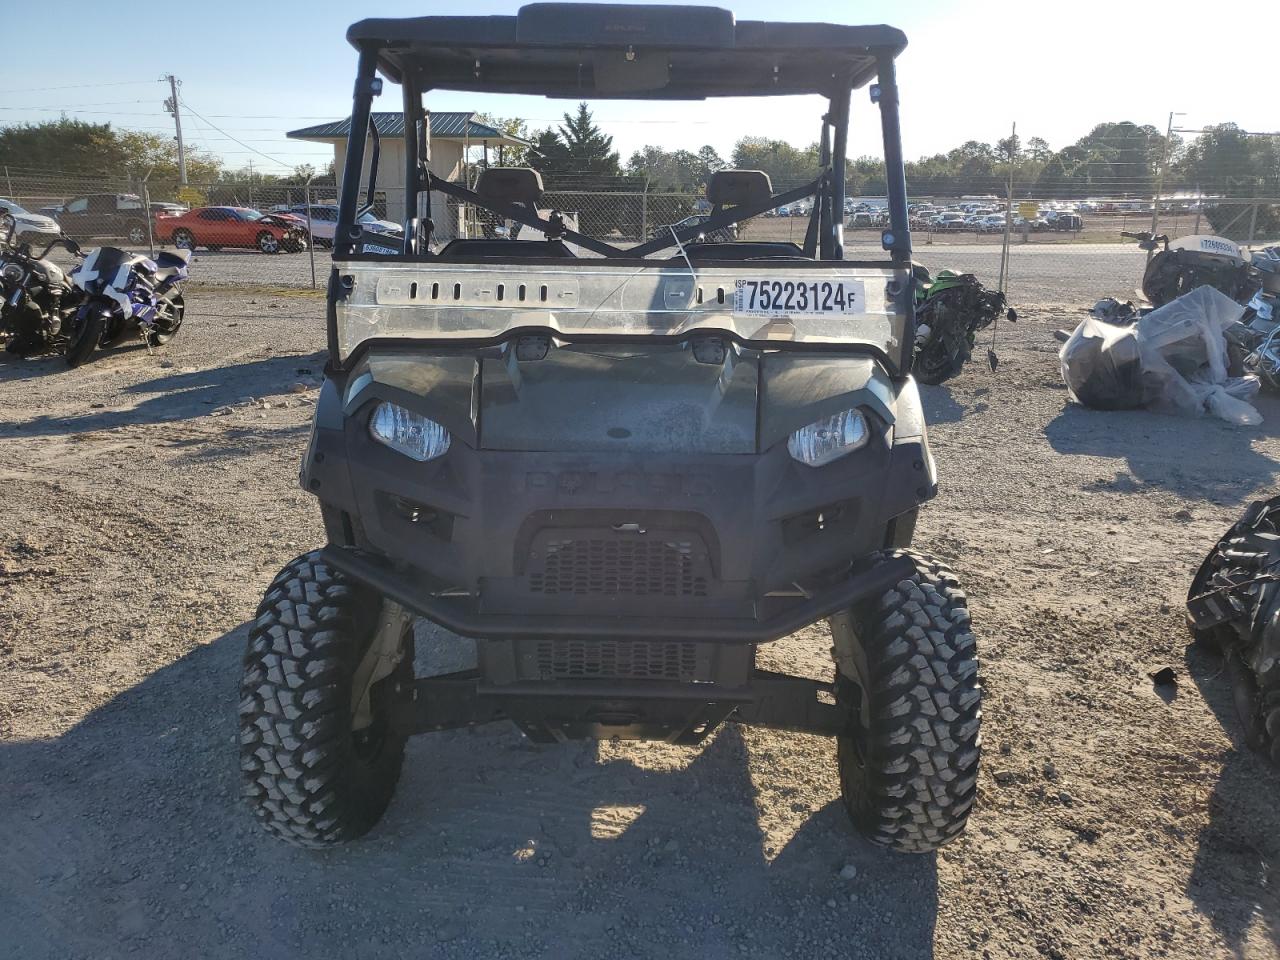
619	468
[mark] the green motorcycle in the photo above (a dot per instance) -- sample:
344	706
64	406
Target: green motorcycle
950	310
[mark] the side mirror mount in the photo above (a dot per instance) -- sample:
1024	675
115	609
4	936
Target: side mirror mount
1012	315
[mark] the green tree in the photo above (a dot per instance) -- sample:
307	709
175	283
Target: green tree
1227	161
1039	150
678	170
1114	159
62	146
577	154
787	166
73	147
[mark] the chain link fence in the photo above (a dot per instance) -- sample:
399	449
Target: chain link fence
1062	251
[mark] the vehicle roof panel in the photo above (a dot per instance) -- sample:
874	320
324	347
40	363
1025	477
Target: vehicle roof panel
626	51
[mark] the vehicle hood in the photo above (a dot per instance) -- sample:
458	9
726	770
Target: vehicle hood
284	220
36	220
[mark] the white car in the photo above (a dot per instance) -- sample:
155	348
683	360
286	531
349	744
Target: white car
29	227
324	222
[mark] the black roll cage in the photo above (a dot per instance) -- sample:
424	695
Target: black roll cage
404	50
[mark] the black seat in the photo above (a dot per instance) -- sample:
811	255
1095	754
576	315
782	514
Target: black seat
522	185
736	188
175	258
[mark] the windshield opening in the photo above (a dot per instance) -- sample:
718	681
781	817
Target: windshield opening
482	179
526	236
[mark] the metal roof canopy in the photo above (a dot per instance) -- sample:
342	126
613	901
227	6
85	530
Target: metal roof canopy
626	51
444	125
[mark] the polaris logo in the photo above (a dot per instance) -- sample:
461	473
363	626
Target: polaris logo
586	482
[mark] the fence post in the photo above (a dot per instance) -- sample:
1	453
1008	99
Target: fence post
1008	215
145	189
311	239
9	180
1253	223
644	212
146	212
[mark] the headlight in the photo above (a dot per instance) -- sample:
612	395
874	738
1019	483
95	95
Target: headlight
407	432
11	272
829	439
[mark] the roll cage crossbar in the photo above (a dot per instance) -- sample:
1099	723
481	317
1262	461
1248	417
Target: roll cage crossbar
625	51
554	228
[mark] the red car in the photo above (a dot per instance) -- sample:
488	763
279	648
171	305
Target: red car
218	227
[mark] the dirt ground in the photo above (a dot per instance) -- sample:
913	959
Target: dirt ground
150	498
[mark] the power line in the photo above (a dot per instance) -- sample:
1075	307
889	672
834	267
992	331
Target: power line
80	86
109	113
233	139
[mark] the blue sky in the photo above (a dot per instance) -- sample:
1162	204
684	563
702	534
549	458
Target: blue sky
253	70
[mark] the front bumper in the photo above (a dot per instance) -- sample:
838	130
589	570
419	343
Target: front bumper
469	617
509	543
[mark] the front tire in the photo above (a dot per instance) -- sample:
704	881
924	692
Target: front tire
176	308
311	779
268	243
136	233
939	361
91	325
908	670
184	239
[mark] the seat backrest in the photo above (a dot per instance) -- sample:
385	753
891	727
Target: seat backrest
511	185
173	258
726	188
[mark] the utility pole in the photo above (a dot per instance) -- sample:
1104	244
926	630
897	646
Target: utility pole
1164	163
172	106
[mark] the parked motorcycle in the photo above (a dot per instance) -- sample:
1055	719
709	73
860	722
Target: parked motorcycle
126	294
950	310
1179	266
38	297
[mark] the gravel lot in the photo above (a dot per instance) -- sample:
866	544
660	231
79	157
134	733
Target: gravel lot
151	497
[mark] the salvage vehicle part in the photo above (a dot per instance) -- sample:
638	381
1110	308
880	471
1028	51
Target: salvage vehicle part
1175	358
1179	266
950	310
1234	603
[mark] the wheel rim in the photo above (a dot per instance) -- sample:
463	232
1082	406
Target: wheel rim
174	308
137	235
183	240
268	244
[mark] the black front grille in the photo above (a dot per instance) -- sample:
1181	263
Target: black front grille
621	660
629	566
